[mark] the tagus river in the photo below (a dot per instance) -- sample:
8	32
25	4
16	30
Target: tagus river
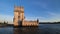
41	29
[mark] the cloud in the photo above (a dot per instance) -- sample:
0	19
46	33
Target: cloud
34	18
52	17
6	18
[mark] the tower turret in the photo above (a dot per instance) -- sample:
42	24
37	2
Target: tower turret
18	15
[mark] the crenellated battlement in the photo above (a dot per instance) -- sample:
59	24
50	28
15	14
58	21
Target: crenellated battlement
17	8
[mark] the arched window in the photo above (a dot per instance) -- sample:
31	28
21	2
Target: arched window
18	17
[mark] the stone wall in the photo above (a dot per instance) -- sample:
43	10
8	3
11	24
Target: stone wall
19	16
30	23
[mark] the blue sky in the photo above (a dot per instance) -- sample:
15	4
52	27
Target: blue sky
44	10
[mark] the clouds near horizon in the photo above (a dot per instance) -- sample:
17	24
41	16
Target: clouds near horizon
44	10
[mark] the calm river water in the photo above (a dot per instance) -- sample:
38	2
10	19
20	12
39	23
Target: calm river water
41	29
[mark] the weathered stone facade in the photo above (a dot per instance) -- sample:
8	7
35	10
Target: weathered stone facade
19	18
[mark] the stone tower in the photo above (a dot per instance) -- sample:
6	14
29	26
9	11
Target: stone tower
18	16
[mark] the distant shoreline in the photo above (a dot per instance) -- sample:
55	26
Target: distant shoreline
49	23
6	24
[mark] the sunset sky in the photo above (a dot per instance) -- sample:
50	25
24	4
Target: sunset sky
44	10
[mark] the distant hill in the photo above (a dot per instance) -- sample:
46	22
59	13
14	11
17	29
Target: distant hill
49	22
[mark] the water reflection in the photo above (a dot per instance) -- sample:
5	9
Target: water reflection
27	30
42	29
